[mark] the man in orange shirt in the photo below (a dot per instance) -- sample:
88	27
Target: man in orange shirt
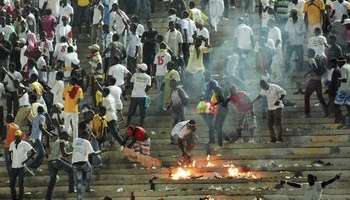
313	10
11	129
72	96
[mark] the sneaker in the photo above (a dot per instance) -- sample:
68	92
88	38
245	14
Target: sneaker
57	178
89	190
251	140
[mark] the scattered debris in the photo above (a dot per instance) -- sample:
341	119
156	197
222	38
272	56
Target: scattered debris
320	163
120	189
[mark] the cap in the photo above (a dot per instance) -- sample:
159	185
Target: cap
142	66
18	133
94	47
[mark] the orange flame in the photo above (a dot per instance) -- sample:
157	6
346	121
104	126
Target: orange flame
181	173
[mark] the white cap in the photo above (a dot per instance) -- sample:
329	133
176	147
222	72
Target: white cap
142	66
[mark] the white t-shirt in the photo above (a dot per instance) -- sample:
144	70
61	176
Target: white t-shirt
140	81
57	92
116	92
23	58
275	34
180	129
161	60
340	9
69	59
204	33
313	192
273	94
243	33
116	21
109	103
134	41
7	30
19	154
318	43
173	39
118	72
24	100
63	31
299	7
60	51
188	25
81	150
66	11
10	85
345	73
96	18
140	29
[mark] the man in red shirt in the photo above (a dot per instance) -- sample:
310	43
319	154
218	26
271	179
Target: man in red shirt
245	110
137	138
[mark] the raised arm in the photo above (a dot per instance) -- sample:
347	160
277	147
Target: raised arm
332	180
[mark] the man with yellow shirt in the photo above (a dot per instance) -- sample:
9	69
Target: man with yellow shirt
72	96
313	10
82	15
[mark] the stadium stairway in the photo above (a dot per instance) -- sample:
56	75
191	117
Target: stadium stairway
312	145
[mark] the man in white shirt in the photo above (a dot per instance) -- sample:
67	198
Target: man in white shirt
133	48
318	43
11	82
141	83
216	10
109	104
97	22
23	57
297	5
188	28
24	108
81	166
58	88
244	38
274	95
5	28
19	150
64	29
71	62
116	92
118	20
275	35
313	189
60	51
343	94
118	72
65	10
295	30
340	8
173	39
161	60
184	133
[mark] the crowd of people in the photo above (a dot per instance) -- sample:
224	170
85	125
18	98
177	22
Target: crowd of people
59	103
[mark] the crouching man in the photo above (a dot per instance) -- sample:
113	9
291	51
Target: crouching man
184	133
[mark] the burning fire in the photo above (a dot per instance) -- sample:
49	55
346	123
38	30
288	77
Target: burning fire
209	168
181	173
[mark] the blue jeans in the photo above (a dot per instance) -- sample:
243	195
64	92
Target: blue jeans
82	175
40	153
54	166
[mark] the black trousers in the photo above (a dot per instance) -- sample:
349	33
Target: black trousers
17	172
311	87
12	102
274	119
134	103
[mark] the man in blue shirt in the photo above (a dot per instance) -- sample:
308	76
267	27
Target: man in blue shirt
38	129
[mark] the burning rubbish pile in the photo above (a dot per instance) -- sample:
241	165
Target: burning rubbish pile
210	167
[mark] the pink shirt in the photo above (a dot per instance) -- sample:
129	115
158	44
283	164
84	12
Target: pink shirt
48	24
240	102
